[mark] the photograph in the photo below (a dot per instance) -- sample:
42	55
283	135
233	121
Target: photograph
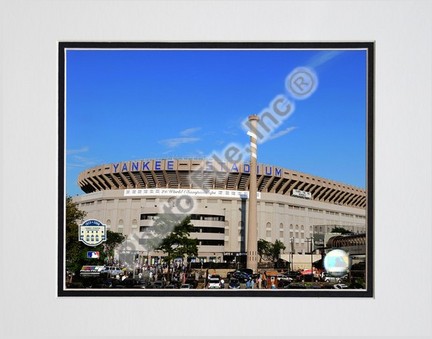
216	169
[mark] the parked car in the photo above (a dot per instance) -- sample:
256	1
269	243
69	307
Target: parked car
331	279
293	275
112	270
239	275
234	283
213	282
247	271
284	277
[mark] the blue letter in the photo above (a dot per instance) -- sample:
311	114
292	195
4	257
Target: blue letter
170	164
145	165
278	172
135	166
124	168
157	165
234	168
268	172
246	166
115	167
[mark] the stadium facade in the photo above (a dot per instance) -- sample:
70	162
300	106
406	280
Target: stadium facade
292	206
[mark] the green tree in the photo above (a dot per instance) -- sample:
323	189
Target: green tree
270	251
177	244
114	239
170	234
74	247
275	250
264	249
76	251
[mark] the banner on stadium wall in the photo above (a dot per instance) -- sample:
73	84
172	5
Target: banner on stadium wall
301	194
189	192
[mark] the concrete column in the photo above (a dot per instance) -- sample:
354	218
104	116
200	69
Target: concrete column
252	241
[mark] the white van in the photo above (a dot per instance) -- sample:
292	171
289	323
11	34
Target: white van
112	270
214	282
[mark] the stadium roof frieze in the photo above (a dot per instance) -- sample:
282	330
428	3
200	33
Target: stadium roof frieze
210	174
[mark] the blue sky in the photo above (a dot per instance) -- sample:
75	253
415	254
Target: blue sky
136	104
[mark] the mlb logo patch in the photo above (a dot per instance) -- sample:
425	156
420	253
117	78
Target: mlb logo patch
93	255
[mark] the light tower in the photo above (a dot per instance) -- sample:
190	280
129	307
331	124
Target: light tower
252	245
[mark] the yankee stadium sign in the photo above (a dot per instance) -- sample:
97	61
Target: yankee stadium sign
211	166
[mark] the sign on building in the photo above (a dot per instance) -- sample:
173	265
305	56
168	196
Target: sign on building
301	194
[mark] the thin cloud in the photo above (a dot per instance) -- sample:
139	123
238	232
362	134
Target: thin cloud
77	151
189	131
174	142
75	160
281	133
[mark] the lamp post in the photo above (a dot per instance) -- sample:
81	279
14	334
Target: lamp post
311	253
252	245
292	253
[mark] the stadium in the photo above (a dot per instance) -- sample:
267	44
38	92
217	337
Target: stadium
292	206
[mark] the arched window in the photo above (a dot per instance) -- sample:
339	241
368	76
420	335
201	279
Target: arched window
134	223
268	230
120	225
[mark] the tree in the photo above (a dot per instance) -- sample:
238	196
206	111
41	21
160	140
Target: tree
76	251
114	239
264	247
268	250
170	234
74	247
177	244
275	250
